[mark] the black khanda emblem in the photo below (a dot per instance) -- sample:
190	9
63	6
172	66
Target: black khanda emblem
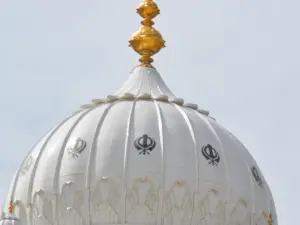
76	148
257	176
144	144
211	154
27	165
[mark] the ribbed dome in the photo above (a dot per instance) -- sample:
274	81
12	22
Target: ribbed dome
141	156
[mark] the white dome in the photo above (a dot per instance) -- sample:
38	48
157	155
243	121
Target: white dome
141	156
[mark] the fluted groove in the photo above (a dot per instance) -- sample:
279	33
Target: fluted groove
130	121
92	156
33	174
56	190
207	122
192	133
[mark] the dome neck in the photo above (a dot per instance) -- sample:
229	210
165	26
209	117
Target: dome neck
145	81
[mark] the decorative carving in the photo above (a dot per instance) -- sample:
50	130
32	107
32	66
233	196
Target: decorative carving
211	154
210	210
26	165
142	201
179	183
42	211
105	201
76	147
20	212
257	176
144	144
178	205
70	205
239	213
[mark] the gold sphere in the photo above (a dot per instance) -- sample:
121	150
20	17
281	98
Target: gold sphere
148	9
147	41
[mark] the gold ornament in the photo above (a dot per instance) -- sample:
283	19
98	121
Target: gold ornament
147	41
11	207
270	219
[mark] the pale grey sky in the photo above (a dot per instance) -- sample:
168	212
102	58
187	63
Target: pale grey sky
238	59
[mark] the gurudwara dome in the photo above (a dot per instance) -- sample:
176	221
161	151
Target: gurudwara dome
141	156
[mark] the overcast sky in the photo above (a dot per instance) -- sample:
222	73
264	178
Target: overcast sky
237	59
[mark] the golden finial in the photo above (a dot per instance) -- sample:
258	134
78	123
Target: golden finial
270	219
11	207
147	41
